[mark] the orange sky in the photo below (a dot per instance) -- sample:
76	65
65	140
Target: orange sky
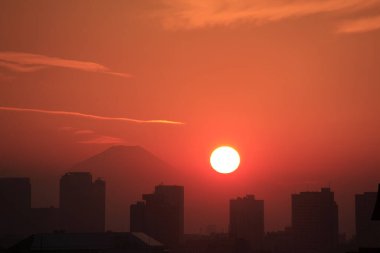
293	85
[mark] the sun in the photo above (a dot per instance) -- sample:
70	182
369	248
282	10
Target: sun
225	159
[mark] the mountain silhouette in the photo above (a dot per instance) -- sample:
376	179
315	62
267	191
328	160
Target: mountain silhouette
129	171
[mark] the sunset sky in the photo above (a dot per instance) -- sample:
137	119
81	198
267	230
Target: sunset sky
293	85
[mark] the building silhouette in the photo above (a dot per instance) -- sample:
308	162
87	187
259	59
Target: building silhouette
15	205
109	242
367	230
315	221
376	211
247	220
212	243
279	241
45	220
137	217
364	201
160	215
82	203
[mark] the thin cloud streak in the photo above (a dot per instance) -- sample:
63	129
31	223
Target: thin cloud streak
5	77
360	25
90	116
66	128
26	62
20	68
189	14
85	132
92	136
103	140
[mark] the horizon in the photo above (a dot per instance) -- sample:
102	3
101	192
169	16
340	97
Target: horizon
221	227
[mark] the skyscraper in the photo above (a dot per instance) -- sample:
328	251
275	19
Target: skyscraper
315	221
15	205
247	220
82	203
376	211
137	217
367	230
162	214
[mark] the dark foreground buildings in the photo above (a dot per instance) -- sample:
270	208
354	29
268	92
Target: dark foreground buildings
247	220
88	242
315	222
376	211
79	222
212	243
82	207
368	237
82	203
160	215
367	230
45	220
279	241
15	205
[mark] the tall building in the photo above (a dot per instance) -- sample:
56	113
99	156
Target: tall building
15	205
161	216
367	230
137	217
247	220
315	221
376	211
82	203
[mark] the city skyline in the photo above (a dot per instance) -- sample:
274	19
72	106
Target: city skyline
51	197
245	213
160	216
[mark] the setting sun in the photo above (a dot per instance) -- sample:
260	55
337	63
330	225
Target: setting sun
225	159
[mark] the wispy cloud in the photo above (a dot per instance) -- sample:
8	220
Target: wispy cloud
20	68
5	77
66	128
90	116
84	132
91	136
103	140
189	14
26	62
360	25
